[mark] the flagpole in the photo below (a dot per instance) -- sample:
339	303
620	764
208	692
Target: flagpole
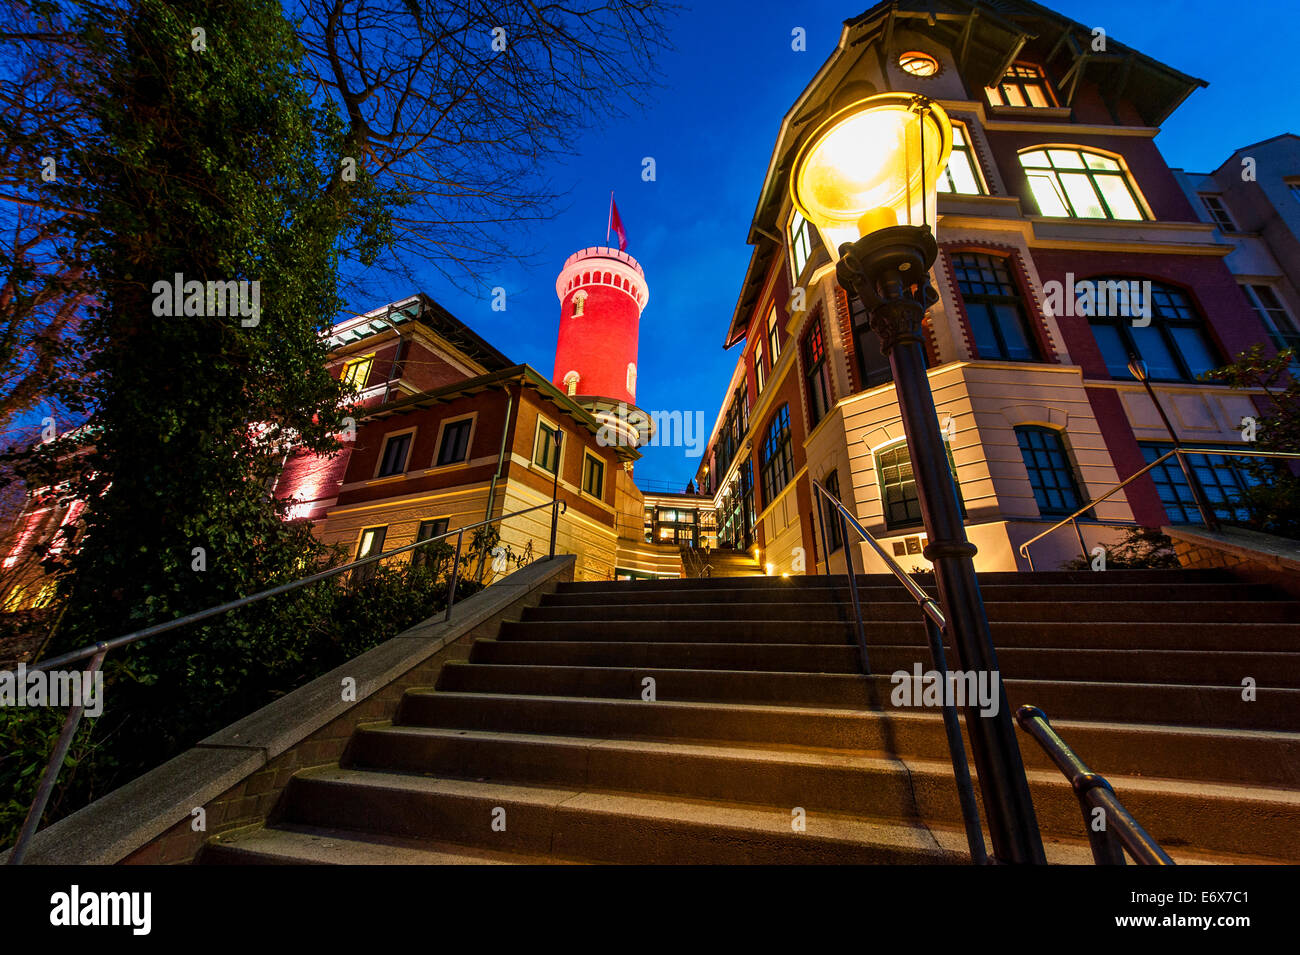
610	224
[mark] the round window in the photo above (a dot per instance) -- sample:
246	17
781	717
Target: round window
918	64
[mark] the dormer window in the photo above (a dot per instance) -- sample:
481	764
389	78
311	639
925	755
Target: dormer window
1024	85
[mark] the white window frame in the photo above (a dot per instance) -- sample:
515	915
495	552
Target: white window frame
383	448
469	443
968	151
564	443
799	233
582	482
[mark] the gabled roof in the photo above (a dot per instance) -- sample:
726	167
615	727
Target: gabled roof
424	310
985	37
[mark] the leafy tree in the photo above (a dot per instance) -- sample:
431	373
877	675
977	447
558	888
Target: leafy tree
1274	501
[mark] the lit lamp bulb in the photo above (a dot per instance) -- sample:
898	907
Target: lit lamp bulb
864	170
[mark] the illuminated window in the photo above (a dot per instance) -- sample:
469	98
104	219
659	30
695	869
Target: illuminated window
773	335
1077	184
372	542
918	64
357	371
760	373
1024	85
961	175
801	244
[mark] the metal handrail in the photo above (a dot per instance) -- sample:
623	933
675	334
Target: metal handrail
1073	518
1119	830
97	651
935	625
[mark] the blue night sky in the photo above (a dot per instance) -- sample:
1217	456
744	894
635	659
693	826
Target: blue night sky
727	84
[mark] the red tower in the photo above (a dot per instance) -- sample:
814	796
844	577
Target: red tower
602	292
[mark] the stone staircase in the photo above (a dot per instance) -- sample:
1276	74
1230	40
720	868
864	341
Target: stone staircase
720	562
543	746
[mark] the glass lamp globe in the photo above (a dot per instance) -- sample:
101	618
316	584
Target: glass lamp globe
863	169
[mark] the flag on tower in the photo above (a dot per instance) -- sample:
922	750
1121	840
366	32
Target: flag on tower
616	225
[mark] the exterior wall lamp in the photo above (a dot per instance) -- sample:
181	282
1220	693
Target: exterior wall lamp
867	178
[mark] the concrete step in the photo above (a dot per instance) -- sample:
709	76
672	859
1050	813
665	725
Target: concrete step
1154	578
1222	611
807	658
1163	635
1268	757
1219	818
572	824
1176	704
1153	666
311	845
1096	591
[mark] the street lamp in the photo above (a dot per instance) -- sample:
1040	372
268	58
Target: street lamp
867	179
1138	369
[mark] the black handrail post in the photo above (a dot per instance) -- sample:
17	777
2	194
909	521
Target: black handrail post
889	272
52	767
957	751
1106	847
455	573
853	594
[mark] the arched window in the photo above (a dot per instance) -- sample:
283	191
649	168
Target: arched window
1074	183
777	460
1050	473
1149	320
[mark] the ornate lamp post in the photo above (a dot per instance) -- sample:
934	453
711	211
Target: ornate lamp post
866	178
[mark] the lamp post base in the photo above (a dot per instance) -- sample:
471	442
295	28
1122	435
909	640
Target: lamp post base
889	271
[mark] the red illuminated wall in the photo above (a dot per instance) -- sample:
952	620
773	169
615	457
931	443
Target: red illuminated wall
600	341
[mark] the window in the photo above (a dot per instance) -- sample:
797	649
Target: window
778	460
1274	315
1024	85
593	475
1174	345
455	442
801	244
816	370
760	375
993	307
773	336
546	447
834	529
427	529
873	365
918	64
1050	473
393	460
898	495
356	372
1218	212
1223	477
1077	184
961	175
372	542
